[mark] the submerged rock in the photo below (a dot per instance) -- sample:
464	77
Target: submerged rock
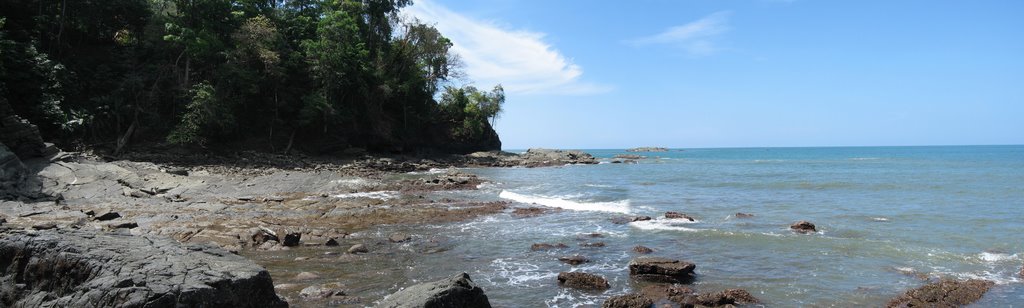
306	276
621	220
642	249
399	237
529	211
593	245
457	291
744	215
73	268
546	246
631	300
584	281
661	269
803	226
574	260
944	293
322	291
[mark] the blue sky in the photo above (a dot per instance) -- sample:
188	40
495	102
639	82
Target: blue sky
616	74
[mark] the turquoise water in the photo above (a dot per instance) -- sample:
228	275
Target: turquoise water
887	216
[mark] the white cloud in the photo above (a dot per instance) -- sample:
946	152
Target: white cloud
696	38
519	60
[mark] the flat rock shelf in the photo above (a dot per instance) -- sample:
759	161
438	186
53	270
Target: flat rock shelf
73	268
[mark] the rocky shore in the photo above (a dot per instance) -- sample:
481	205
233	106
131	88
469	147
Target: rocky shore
96	215
163	229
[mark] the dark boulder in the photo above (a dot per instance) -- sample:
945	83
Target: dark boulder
583	281
678	215
74	268
621	220
457	291
642	249
803	226
292	239
943	293
574	260
631	300
727	297
661	269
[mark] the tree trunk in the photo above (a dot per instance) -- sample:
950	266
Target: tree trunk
123	141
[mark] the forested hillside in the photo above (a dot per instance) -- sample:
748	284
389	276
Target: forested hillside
317	75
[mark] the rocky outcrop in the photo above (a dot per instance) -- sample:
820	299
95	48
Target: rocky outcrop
12	172
457	291
661	270
583	281
944	293
647	149
678	215
547	157
727	298
621	220
532	158
19	135
803	226
631	300
69	268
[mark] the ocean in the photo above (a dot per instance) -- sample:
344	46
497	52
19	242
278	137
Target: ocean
887	216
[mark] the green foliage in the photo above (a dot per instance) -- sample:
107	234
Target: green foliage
469	109
205	71
205	115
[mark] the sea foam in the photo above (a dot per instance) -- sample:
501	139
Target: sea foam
382	195
664	224
621	206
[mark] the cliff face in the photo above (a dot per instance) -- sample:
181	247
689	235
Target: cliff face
19	140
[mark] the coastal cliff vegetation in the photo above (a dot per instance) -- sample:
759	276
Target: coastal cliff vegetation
321	75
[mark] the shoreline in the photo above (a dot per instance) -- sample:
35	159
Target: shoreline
254	210
256	204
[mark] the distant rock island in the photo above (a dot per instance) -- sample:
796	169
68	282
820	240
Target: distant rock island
647	149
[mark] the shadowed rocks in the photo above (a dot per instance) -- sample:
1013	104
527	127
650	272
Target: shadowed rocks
70	268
